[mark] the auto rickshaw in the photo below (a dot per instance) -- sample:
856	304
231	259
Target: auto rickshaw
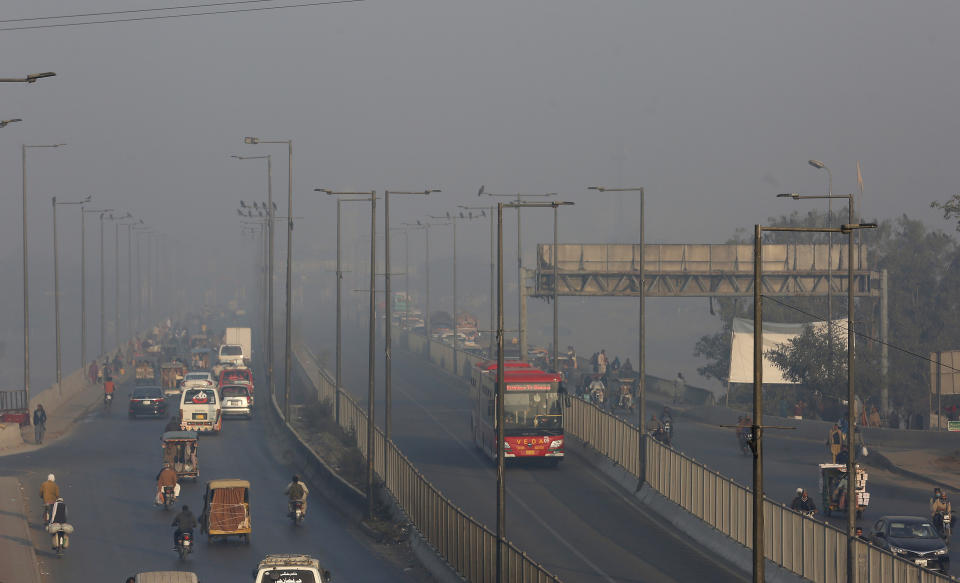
833	488
181	450
200	358
625	391
144	370
171	373
166	577
226	510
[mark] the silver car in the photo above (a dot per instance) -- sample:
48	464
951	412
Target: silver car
237	399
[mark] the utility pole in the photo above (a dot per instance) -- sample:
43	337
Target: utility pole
521	292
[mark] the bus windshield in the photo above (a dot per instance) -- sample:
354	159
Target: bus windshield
533	412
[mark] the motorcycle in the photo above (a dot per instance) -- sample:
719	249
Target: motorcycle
668	428
169	497
661	435
296	511
60	537
184	544
944	523
597	397
107	401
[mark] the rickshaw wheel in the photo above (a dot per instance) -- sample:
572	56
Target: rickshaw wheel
245	538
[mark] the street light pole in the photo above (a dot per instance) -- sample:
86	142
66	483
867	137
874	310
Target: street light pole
26	295
847	229
56	283
271	207
501	474
339	274
32	78
821	166
286	350
371	342
520	284
851	394
642	333
388	323
493	277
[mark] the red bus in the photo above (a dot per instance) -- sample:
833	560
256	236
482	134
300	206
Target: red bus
486	367
533	418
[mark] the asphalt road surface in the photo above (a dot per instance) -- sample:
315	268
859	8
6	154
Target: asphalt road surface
571	519
106	471
790	463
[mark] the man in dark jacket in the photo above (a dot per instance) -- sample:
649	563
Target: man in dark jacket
803	503
39	424
185	522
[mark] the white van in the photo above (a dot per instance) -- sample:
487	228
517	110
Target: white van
231	353
200	410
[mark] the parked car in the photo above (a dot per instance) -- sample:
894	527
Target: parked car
198	380
147	401
912	538
237	399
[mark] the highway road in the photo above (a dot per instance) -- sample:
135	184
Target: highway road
578	524
791	463
106	471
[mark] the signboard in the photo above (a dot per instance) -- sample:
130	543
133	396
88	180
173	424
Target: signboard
529	387
953	425
949	372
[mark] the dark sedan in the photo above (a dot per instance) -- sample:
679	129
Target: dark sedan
912	538
147	401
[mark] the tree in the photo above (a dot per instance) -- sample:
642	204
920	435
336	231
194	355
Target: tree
807	360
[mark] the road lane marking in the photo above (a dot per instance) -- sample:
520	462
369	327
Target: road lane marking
471	449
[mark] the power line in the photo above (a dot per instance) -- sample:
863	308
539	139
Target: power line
860	334
169	16
112	12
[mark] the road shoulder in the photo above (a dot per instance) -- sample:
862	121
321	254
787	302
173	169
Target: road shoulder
17	554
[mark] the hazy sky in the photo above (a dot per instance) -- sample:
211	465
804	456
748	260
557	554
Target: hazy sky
713	107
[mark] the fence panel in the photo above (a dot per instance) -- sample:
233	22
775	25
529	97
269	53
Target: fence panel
468	546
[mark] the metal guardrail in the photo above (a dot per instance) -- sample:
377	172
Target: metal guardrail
13	400
810	548
467	545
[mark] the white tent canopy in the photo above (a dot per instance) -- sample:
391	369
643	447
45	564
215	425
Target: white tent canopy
774	333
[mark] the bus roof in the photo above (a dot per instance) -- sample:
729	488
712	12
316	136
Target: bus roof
530	375
488	365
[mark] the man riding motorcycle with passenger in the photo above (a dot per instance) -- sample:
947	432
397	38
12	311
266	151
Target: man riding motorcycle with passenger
167	478
940	507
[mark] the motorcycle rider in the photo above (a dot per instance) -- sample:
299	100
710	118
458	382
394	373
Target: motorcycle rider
666	420
49	493
803	503
297	491
58	515
166	477
185	522
108	387
939	507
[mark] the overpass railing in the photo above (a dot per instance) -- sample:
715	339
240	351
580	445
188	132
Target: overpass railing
462	541
810	548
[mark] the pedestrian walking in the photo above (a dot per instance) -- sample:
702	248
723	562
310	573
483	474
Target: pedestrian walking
92	372
39	424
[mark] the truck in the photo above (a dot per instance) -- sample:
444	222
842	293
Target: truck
288	568
242	337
